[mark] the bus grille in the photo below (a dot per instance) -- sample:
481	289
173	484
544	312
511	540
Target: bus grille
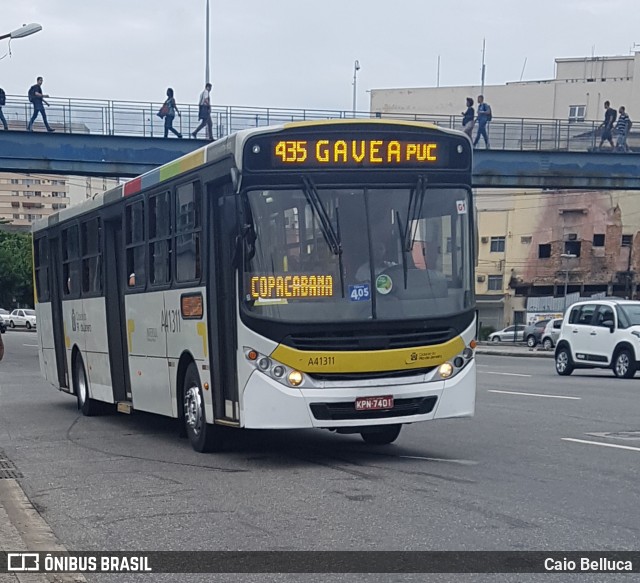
360	376
347	411
359	340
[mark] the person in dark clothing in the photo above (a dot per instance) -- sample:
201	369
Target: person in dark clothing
467	118
36	96
610	116
172	110
204	112
484	117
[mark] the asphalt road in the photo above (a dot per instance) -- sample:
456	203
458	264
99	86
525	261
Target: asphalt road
555	468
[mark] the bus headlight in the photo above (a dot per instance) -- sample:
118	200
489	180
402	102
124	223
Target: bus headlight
295	378
276	370
445	370
451	368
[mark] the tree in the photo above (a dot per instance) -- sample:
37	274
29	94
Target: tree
16	269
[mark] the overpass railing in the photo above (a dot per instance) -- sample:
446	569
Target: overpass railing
132	118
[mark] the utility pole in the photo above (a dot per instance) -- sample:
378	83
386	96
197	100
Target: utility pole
356	68
483	69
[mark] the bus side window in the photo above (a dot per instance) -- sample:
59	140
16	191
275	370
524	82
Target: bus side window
70	261
135	243
188	232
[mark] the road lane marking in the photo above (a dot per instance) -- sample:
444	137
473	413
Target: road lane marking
534	395
600	443
507	374
30	345
437	459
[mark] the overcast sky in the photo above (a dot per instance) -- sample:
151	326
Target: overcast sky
299	53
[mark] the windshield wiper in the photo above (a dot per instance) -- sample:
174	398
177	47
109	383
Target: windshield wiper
414	210
331	235
313	198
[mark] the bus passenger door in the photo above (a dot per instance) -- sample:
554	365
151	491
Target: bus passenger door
222	301
114	298
55	270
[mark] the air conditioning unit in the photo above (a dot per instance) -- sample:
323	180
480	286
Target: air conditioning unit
484	239
572	237
481	278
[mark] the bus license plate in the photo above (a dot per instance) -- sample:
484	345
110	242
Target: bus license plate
374	403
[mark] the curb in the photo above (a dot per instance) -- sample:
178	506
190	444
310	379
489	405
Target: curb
527	354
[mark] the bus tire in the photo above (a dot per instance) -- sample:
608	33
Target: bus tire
383	436
88	406
203	437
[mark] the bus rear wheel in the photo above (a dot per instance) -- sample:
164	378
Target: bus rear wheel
88	406
203	437
382	436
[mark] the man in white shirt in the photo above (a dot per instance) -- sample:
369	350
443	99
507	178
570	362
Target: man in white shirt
204	112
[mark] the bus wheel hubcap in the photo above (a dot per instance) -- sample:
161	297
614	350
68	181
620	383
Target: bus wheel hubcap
193	409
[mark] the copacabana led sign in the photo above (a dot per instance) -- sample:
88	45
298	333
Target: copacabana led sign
349	149
276	287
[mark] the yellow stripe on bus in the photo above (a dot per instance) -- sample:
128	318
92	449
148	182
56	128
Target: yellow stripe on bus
368	360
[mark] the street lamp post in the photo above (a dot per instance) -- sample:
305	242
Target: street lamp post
24	30
206	67
356	68
566	277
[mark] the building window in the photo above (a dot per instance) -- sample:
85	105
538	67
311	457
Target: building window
598	240
627	240
526	240
576	112
15	181
495	283
544	251
497	245
572	248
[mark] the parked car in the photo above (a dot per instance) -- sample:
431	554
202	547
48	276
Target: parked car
551	333
22	317
600	334
507	334
533	333
3	325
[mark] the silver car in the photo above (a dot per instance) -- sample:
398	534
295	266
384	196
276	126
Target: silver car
551	333
507	334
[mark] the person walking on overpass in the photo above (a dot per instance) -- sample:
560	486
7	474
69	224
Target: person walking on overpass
467	118
610	115
204	112
484	117
3	101
171	109
36	96
622	130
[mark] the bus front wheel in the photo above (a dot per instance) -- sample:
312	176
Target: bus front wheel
203	437
382	436
88	406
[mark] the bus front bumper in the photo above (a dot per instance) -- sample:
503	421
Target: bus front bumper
267	404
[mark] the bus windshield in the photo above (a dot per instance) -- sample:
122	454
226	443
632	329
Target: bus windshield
358	253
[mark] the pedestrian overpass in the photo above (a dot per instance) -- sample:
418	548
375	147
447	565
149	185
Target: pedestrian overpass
130	156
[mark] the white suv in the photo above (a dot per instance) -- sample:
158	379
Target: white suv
600	334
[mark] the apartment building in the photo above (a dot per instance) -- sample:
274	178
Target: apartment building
27	197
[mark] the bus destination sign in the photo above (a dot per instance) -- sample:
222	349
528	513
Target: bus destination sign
352	150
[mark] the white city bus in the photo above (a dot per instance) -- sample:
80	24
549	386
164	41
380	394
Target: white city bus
304	275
